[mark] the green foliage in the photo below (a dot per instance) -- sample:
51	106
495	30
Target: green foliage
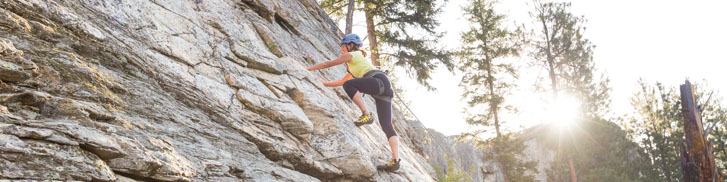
405	31
486	78
714	116
719	139
486	81
451	174
560	44
658	126
334	8
601	151
406	35
507	151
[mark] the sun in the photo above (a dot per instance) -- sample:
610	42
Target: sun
564	111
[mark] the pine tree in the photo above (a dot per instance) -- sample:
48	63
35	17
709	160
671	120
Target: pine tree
558	43
335	9
562	49
402	31
486	80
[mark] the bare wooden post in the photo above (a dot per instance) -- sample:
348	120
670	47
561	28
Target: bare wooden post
697	155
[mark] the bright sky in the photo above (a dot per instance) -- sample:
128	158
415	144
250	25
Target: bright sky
658	40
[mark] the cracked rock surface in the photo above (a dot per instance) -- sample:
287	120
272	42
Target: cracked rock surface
168	90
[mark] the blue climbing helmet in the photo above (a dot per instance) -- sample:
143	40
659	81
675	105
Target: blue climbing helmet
349	38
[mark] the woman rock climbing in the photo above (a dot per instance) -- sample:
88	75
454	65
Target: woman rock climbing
368	80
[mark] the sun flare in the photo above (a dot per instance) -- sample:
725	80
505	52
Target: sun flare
564	111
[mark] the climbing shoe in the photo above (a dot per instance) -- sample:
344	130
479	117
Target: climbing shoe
364	120
390	167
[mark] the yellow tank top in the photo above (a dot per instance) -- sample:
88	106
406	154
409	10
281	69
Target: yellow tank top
358	66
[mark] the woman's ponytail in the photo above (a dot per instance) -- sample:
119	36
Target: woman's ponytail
356	48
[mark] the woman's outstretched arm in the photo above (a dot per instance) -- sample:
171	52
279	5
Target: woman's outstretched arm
340	60
337	82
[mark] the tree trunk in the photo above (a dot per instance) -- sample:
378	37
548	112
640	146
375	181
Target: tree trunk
573	177
553	78
349	16
554	83
493	110
697	154
371	30
498	150
550	60
491	85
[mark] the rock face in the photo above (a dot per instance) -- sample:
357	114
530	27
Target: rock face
168	90
538	152
465	157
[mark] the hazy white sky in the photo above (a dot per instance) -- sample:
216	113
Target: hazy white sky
665	41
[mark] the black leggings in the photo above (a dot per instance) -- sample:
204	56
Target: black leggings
383	100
